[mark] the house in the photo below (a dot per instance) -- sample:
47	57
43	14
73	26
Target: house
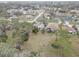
52	27
66	23
74	12
47	15
13	17
69	27
39	25
29	17
77	26
71	30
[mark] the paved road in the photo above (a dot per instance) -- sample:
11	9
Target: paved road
35	18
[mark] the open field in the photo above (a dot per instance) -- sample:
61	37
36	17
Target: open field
40	44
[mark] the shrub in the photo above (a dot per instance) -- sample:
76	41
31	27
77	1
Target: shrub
3	37
24	35
35	30
2	27
62	43
34	54
6	50
14	33
56	46
18	46
43	31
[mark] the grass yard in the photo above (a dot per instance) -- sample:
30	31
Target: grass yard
40	44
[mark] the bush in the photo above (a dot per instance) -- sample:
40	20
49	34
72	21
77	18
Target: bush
55	46
18	46
14	33
3	37
2	27
34	54
62	43
35	30
6	50
24	35
43	31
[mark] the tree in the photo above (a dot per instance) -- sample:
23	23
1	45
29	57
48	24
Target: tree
62	44
24	35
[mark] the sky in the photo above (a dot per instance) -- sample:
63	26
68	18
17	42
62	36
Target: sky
39	0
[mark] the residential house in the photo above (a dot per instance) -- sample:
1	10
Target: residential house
52	27
71	30
39	25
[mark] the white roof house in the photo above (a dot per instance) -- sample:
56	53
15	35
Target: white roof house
66	23
13	17
39	25
77	26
